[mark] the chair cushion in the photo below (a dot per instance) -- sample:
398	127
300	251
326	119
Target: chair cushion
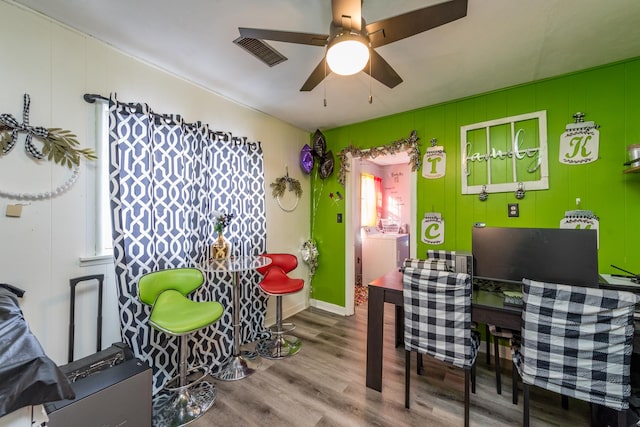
276	282
175	314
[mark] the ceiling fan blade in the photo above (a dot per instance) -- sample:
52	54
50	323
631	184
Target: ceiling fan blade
285	36
317	75
347	14
382	71
408	24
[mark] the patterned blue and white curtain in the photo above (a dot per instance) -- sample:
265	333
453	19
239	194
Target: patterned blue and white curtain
167	178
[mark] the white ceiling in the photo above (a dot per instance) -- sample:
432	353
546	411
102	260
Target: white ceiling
498	44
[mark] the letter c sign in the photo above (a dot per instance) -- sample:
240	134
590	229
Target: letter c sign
433	231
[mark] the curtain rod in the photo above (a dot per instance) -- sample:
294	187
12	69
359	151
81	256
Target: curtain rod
93	97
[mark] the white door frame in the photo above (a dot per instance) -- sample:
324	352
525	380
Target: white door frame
352	229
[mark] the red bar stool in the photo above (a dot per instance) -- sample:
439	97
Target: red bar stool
276	283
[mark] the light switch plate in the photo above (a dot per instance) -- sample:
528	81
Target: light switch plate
514	210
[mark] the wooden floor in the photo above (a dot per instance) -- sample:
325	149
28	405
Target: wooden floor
324	385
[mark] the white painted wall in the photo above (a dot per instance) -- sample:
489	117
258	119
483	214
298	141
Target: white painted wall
40	251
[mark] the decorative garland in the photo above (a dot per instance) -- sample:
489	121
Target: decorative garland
410	144
47	194
283	183
58	144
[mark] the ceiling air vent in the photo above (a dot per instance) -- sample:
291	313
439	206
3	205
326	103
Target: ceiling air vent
261	50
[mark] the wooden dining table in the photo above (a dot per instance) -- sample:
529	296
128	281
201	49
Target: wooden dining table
487	307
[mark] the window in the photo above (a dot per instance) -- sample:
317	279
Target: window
99	241
104	241
370	200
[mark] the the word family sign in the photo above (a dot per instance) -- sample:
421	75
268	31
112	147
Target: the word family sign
500	154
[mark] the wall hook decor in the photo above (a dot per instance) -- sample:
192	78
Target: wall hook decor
520	191
483	196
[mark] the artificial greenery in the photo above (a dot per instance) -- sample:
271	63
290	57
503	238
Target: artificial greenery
222	220
280	186
58	145
411	145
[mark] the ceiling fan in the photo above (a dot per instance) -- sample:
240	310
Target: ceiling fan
348	28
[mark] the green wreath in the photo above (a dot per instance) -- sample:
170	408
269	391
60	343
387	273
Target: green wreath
282	184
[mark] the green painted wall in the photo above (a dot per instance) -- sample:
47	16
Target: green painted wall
609	95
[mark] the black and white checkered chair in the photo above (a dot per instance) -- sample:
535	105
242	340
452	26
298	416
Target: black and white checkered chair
577	341
437	260
428	264
437	322
449	258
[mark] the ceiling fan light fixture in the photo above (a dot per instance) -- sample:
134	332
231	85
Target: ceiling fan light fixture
347	53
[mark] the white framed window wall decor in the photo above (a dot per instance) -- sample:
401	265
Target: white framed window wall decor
505	155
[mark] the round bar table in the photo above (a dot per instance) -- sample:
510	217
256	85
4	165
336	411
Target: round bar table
236	367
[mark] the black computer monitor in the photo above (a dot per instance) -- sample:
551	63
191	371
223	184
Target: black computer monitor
566	256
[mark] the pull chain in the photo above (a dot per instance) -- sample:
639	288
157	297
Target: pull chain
370	78
324	83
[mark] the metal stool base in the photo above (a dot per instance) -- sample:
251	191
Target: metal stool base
279	347
182	406
238	367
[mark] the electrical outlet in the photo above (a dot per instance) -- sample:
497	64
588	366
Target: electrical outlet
514	210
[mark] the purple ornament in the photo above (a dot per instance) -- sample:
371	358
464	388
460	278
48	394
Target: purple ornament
306	159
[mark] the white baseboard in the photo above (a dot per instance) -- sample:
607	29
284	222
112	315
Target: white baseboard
331	308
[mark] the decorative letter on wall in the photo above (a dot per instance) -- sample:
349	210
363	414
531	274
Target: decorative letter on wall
581	220
500	154
433	229
434	164
580	142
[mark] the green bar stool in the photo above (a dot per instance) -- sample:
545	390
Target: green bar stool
180	402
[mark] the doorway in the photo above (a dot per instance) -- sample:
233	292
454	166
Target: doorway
353	228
